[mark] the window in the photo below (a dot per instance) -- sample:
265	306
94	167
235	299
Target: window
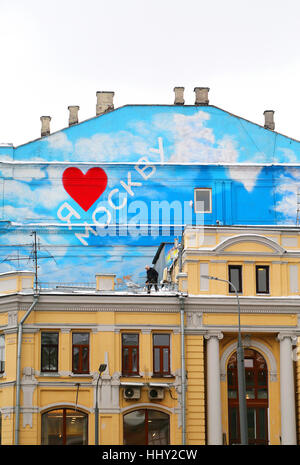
49	356
262	279
202	200
2	353
256	377
130	354
80	352
235	277
64	427
161	354
146	427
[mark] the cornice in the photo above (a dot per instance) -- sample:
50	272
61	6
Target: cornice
94	308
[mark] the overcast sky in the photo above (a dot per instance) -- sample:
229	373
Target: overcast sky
60	52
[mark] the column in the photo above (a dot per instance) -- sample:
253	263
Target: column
214	410
287	390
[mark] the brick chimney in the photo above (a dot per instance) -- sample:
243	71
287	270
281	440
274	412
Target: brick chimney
201	95
45	131
73	114
104	102
269	120
179	99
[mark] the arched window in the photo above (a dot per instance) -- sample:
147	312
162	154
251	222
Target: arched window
146	427
64	427
256	372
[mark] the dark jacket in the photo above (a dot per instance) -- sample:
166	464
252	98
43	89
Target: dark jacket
152	275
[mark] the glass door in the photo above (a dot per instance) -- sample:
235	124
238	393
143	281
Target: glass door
256	374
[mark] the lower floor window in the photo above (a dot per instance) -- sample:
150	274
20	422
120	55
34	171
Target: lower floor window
146	427
64	427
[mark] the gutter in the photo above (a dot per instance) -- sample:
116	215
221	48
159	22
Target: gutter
183	371
18	376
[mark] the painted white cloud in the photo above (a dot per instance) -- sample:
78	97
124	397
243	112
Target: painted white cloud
194	142
45	196
28	173
60	141
287	188
247	175
289	156
21	214
110	147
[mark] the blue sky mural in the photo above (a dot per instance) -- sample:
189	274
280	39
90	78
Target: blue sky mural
103	194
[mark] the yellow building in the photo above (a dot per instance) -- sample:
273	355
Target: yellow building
151	391
48	388
263	265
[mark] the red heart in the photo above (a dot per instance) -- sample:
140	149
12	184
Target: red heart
85	189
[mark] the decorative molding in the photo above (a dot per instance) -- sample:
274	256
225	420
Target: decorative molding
122	309
251	343
193	319
28	385
291	335
58	405
257	238
12	318
219	335
150	405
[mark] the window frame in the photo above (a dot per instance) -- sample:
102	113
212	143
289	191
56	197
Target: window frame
131	372
240	289
209	189
43	370
161	348
65	435
267	268
81	347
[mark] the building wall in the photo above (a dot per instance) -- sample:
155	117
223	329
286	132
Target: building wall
103	194
264	317
105	319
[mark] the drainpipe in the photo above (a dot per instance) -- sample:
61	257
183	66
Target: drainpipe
18	377
183	374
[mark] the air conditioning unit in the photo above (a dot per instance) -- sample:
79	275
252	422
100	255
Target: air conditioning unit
132	393
156	393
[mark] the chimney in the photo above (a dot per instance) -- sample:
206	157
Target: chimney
45	131
105	282
179	100
201	95
104	102
269	120
73	114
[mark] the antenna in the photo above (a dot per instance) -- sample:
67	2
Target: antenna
35	261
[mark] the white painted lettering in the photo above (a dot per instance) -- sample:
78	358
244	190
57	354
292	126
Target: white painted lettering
81	236
72	212
144	162
160	150
98	210
112	204
130	183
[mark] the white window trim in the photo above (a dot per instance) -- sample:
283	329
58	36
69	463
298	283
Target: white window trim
210	198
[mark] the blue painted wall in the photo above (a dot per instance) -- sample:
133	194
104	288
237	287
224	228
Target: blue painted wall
142	164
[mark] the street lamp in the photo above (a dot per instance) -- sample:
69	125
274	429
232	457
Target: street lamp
240	367
102	368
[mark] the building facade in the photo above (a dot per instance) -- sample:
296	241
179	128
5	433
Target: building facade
143	395
263	265
65	339
199	192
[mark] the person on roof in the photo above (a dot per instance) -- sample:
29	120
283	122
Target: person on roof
152	277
